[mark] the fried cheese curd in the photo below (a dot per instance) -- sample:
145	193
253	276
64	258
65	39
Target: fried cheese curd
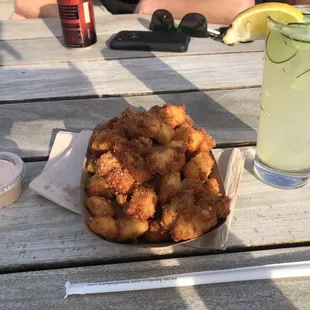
151	178
142	204
156	232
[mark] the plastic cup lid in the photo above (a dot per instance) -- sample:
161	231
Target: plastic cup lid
16	174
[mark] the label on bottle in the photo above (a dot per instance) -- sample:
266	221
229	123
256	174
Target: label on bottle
86	12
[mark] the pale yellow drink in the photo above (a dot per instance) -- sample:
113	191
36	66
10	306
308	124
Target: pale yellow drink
283	141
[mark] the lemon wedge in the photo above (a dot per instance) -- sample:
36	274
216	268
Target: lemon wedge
251	24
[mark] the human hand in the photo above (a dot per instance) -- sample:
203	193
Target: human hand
35	8
148	7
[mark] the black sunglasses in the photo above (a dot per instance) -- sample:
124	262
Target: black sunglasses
193	24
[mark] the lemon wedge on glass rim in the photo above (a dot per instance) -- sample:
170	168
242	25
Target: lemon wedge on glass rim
251	24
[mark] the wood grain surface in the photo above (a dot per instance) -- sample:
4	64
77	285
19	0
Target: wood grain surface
34	51
29	129
36	232
130	76
41	41
45	289
220	86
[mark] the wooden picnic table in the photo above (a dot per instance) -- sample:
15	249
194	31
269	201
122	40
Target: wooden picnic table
45	88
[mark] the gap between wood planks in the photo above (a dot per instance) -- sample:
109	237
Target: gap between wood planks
127	95
98	262
127	58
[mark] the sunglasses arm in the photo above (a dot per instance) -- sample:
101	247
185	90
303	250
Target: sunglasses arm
214	32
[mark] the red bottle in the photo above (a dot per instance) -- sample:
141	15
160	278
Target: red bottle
78	22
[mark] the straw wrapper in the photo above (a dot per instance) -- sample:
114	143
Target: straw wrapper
286	270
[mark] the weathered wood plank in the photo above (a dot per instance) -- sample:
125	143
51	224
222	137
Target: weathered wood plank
32	51
50	27
45	289
229	116
35	231
130	76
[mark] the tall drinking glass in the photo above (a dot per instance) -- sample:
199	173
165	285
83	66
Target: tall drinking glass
283	143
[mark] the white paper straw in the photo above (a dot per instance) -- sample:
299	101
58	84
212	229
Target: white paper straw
286	270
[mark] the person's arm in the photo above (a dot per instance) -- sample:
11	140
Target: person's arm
35	8
216	11
302	2
15	16
297	2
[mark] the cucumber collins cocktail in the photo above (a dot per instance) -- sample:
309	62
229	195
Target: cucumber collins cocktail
283	142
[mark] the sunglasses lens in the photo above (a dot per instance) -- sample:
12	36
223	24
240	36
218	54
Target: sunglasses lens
195	25
162	20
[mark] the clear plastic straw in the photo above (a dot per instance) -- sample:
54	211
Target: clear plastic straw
286	270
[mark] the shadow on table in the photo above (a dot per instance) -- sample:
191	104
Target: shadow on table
248	295
24	129
245	295
206	112
77	115
144	22
5	48
53	24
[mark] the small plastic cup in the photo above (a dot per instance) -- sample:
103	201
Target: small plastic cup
12	170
